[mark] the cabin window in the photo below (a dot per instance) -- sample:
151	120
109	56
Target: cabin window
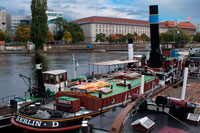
113	100
51	78
47	78
57	79
62	77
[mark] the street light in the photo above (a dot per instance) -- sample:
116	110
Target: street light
175	25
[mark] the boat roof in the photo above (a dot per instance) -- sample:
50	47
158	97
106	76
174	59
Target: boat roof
55	72
114	62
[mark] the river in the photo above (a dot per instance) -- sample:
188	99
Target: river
11	65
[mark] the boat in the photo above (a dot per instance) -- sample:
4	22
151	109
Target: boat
61	105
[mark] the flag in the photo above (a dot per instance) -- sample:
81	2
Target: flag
188	18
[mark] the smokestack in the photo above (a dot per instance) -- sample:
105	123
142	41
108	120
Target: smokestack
142	84
130	49
155	54
41	87
185	80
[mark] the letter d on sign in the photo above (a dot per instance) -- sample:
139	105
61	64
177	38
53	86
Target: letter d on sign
55	124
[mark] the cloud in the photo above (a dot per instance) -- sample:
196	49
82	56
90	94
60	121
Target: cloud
132	9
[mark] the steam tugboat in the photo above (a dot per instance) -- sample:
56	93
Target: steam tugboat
60	105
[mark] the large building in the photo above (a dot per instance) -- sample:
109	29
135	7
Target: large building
19	20
5	20
107	25
52	16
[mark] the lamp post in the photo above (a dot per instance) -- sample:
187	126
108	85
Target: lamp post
175	25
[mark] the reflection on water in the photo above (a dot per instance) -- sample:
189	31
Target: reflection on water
11	65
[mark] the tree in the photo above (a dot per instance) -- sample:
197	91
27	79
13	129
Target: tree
197	37
144	37
2	36
100	37
76	31
67	37
135	37
39	27
61	26
8	36
22	33
50	37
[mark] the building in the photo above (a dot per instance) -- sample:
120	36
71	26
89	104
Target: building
107	25
52	16
198	28
19	20
5	20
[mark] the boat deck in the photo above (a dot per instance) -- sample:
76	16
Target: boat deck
192	93
119	89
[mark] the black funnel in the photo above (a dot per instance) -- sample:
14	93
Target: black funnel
155	54
41	88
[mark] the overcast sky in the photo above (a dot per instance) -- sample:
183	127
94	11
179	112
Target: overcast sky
132	9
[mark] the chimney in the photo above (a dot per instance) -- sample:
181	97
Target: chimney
41	87
155	54
185	80
130	49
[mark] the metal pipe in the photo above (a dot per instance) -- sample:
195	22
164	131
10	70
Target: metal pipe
184	83
142	85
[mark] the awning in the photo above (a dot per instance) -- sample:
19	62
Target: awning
114	62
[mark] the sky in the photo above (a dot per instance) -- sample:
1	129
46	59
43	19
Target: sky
177	10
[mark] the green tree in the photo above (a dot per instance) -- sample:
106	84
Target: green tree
144	37
8	36
135	37
61	26
22	33
67	37
197	37
2	36
39	27
76	32
101	37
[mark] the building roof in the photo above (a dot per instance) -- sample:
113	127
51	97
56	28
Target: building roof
55	72
184	25
108	20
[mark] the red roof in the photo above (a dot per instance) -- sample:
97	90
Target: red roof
110	20
97	19
184	25
2	42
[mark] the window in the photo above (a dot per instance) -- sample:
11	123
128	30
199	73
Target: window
47	78
62	77
113	100
51	76
57	78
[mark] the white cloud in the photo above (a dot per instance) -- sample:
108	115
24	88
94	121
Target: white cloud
133	9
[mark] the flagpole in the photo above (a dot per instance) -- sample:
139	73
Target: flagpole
74	66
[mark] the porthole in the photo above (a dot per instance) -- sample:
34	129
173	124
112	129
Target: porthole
113	100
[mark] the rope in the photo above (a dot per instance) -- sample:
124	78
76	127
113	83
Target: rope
197	131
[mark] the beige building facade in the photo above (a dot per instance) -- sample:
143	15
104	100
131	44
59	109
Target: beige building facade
95	25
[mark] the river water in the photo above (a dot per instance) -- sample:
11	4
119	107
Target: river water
11	65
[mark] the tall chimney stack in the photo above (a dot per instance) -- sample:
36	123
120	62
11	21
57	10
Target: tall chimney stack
155	54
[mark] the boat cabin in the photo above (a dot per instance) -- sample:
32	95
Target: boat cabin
55	80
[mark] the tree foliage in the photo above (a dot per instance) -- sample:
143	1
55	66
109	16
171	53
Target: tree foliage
2	35
67	37
61	25
197	37
101	37
144	37
39	27
76	32
8	36
22	33
50	37
179	36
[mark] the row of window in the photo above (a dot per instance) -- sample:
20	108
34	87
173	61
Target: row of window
122	27
55	14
